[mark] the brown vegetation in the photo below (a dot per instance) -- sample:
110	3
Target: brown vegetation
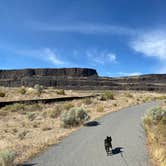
28	129
155	126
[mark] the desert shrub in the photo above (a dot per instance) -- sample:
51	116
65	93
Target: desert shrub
21	108
31	116
67	106
87	101
46	128
138	99
73	117
56	112
53	112
22	90
100	108
160	97
154	123
3	112
39	89
14	107
61	92
107	96
127	94
154	115
115	104
36	124
7	158
14	130
22	134
146	99
33	107
2	94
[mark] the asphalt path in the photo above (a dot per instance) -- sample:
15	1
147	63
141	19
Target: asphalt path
85	147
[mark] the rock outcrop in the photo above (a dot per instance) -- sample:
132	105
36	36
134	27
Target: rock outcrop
80	78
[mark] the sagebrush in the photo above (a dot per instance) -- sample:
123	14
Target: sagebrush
7	158
73	117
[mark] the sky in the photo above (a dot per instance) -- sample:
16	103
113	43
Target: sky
115	37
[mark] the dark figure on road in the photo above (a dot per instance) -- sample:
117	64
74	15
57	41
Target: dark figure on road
108	144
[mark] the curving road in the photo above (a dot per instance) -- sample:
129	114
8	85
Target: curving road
85	147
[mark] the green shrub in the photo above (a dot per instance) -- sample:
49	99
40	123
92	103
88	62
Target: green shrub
67	106
154	115
7	158
127	94
14	107
160	97
146	99
61	92
39	89
21	108
73	117
2	94
107	96
22	90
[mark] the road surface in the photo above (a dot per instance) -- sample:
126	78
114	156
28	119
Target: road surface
85	147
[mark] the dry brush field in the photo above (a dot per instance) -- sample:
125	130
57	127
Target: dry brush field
29	129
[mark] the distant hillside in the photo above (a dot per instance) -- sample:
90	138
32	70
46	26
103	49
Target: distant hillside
80	78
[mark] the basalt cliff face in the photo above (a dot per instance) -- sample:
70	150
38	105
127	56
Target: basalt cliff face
80	78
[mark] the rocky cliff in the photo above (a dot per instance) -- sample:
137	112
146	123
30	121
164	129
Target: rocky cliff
80	78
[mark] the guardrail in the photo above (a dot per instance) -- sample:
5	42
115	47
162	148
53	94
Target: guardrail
50	100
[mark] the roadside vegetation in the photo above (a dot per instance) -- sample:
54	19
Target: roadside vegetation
155	127
29	129
36	92
7	158
107	96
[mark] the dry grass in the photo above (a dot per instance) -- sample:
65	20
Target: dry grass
28	129
155	126
25	93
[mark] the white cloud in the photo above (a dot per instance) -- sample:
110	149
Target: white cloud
151	44
85	28
135	74
101	57
51	56
112	57
128	74
45	54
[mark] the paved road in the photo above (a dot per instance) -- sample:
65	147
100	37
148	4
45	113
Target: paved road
85	147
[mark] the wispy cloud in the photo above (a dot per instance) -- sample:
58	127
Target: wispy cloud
84	28
128	73
45	54
101	57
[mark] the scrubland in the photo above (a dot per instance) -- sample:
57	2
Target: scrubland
155	126
26	130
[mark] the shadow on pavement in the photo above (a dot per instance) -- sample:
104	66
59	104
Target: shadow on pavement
91	124
27	164
116	150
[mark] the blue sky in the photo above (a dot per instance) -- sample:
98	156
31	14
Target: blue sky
116	37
